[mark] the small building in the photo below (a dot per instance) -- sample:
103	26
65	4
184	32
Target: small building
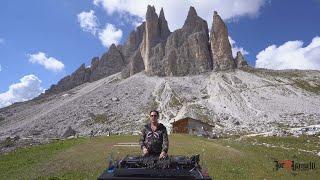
192	126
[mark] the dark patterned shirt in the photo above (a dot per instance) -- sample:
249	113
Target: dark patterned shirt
154	141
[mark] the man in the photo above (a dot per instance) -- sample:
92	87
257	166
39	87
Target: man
154	138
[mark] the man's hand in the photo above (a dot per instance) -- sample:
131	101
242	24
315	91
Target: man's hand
162	155
144	151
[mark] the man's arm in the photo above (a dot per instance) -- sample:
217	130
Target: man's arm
142	138
165	143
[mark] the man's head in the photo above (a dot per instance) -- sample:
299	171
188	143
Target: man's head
154	115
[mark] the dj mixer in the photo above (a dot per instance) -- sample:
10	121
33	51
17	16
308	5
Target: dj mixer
151	167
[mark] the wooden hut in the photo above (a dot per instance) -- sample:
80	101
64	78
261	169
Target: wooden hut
192	126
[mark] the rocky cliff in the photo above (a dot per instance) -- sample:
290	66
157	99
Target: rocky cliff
152	48
187	49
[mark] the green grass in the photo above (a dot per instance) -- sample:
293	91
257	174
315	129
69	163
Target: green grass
232	158
275	73
306	86
23	162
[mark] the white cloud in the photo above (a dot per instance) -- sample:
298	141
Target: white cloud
291	55
0	68
176	11
49	63
235	48
28	88
88	22
110	34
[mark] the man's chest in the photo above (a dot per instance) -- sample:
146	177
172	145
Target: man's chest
155	135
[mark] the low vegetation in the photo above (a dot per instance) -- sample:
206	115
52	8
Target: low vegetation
8	142
275	73
99	118
307	86
232	158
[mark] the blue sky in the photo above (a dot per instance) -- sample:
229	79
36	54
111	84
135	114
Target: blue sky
53	28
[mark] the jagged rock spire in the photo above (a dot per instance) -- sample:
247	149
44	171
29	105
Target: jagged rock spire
192	13
161	15
187	49
220	45
240	61
155	35
194	23
163	24
110	63
151	13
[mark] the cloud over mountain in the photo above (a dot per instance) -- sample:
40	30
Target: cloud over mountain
176	11
109	35
291	55
49	63
28	88
88	21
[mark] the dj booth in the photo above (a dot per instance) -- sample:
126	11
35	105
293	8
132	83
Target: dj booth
171	167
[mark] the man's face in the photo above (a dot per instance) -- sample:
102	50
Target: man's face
153	117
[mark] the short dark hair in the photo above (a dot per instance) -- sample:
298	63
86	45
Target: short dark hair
155	112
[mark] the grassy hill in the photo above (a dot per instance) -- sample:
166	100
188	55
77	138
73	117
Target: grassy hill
232	158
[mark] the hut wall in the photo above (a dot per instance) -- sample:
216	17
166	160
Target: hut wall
180	126
199	128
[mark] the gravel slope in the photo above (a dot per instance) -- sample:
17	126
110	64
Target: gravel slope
239	101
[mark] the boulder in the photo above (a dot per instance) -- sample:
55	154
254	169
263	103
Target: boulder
69	132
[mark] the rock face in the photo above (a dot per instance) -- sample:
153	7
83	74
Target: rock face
135	65
187	49
220	45
152	48
163	24
110	63
80	76
154	38
133	43
131	52
240	61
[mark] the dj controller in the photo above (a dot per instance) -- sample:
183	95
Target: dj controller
151	167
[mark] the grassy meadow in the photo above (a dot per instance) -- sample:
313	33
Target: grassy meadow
232	158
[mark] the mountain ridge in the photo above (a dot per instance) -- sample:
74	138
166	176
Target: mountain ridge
153	48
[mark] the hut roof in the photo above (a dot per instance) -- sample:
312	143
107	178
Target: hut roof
208	123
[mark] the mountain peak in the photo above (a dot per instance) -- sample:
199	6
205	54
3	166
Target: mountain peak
112	47
192	12
161	15
151	12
